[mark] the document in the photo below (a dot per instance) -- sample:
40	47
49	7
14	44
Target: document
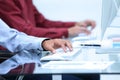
80	65
61	55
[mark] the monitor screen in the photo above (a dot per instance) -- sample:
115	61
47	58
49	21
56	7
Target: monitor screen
117	3
109	11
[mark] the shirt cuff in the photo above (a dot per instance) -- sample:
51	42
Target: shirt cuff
40	42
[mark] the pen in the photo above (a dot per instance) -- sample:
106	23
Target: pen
96	45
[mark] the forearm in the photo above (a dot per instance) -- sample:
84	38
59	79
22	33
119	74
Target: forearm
54	24
16	41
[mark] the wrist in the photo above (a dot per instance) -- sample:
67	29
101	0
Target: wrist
43	44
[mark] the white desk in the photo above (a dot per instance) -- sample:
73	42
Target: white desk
84	55
76	13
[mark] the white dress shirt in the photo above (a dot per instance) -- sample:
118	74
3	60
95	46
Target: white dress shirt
26	48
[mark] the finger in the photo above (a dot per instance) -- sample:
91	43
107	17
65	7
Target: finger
51	49
85	30
93	24
64	48
69	45
90	23
81	24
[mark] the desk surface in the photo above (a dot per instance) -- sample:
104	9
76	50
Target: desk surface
107	63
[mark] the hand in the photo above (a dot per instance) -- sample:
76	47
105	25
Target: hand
86	23
81	27
74	31
53	44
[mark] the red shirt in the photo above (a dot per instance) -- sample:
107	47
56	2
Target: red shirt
23	16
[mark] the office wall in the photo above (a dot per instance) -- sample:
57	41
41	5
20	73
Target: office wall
71	10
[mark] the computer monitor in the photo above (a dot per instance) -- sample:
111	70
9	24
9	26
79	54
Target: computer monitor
117	3
109	11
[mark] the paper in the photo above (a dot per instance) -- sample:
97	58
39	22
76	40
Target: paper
81	65
61	55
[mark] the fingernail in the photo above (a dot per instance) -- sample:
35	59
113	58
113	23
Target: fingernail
54	51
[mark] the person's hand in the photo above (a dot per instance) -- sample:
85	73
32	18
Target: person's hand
53	44
74	31
81	27
86	23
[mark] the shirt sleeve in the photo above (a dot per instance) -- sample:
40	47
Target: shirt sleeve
16	41
12	12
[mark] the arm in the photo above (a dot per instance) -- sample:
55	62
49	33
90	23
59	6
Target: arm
23	16
14	14
16	41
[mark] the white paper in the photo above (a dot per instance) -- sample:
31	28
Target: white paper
61	55
85	65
